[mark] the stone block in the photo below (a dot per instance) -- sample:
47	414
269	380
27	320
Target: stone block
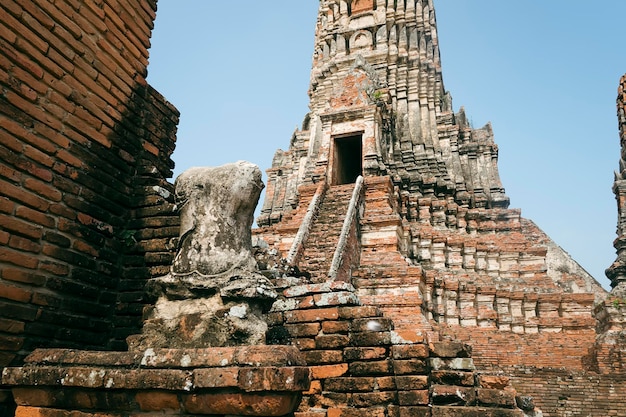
331	341
216	377
457	364
410	366
378	324
440	411
369	399
495	398
412	382
370	368
318	357
370	339
414	397
452	395
357	412
493	381
364	353
409	411
416	351
449	377
260	404
157	401
451	350
349	384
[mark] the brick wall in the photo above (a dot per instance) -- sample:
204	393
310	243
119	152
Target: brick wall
85	148
560	392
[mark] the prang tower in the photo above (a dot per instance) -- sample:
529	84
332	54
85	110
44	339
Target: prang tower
387	188
379	107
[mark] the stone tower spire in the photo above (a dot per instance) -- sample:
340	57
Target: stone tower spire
617	272
378	106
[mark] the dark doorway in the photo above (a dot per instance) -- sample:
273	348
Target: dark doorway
348	159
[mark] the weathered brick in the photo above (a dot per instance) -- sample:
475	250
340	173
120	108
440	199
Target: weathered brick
412	382
370	368
349	384
317	357
417	351
409	366
414	397
369	399
328	371
313	315
370	339
495	398
331	341
450	377
364	353
303	329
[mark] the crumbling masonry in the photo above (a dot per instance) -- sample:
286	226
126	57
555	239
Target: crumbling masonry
404	280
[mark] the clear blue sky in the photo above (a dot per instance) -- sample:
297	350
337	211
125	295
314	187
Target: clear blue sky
545	73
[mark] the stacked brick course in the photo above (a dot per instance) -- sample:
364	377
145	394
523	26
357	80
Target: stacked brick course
361	366
441	254
437	263
85	147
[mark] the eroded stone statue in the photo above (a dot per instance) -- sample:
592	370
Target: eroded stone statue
214	295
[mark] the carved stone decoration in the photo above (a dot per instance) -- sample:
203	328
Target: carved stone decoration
217	208
214	295
617	271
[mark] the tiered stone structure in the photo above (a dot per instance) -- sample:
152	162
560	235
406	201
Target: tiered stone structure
430	241
201	350
385	230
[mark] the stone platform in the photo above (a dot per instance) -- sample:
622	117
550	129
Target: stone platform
234	381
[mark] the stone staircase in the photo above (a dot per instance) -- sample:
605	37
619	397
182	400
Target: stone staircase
324	234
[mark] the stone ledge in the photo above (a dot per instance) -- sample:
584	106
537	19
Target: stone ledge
173	358
246	380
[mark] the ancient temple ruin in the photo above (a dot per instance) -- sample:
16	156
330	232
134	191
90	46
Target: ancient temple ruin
388	276
388	189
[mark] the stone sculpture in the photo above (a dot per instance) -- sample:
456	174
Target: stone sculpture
213	295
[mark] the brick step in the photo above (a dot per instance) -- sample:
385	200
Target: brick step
325	232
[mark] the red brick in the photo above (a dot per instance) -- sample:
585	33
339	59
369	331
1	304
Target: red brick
11	292
364	353
35	216
350	384
303	329
21	227
21	195
495	398
4	237
417	351
415	397
313	315
26	277
412	382
370	368
333	327
43	189
26	245
216	377
359	312
17	258
331	341
369	399
452	378
157	401
328	371
318	357
409	366
6	205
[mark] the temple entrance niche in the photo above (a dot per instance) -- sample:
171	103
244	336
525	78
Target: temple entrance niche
348	159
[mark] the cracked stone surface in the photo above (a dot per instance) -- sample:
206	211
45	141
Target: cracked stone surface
214	294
